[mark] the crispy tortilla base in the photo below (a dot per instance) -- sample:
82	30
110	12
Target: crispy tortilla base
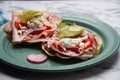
55	53
44	47
98	49
8	30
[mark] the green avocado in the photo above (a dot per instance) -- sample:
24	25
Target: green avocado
27	15
68	29
66	24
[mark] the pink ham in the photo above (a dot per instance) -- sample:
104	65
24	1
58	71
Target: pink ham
15	37
43	36
93	38
63	50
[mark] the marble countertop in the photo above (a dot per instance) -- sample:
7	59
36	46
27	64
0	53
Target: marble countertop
107	11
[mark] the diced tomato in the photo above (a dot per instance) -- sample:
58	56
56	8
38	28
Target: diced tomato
60	48
48	27
41	30
22	24
18	25
88	42
37	32
54	44
75	49
43	36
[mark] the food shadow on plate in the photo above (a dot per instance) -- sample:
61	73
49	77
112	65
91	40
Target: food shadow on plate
30	46
65	61
55	59
75	75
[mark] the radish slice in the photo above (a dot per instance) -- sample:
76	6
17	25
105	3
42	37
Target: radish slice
37	58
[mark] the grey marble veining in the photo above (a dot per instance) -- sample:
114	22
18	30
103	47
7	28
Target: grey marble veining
107	11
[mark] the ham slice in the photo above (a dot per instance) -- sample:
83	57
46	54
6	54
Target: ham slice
32	35
64	53
8	30
15	37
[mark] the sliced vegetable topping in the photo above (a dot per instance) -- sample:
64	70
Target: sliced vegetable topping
61	48
27	15
41	30
62	39
68	29
90	41
18	25
37	58
66	24
75	49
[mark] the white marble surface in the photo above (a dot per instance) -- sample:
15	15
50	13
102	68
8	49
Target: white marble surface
106	10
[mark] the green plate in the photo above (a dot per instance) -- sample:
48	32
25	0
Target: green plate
16	56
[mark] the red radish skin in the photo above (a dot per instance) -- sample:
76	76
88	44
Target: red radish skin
37	58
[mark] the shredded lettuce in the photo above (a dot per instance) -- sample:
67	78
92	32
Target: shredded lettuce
27	15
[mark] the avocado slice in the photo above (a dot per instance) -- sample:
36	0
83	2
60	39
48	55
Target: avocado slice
70	30
27	15
66	24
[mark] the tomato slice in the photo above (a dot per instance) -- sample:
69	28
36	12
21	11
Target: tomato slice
58	46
